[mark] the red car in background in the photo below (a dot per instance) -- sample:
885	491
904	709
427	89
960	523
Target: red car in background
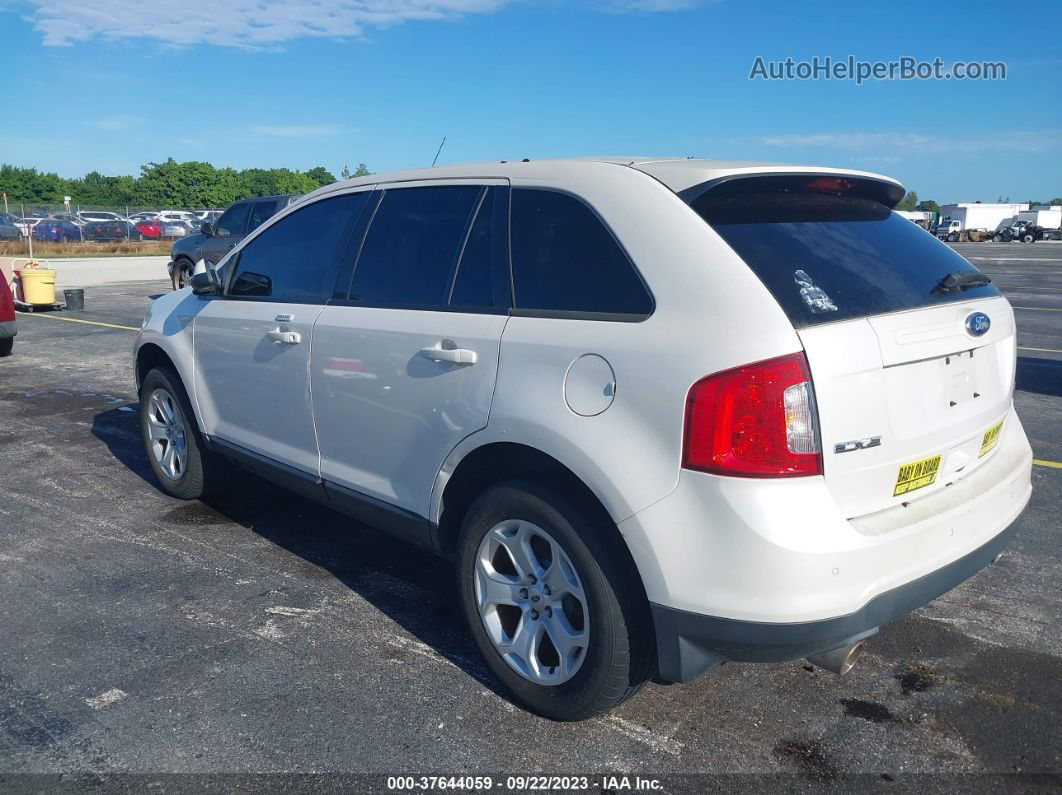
151	230
8	327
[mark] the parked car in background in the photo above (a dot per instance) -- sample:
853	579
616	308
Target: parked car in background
26	225
214	240
108	231
8	325
56	229
149	229
39	213
143	216
9	228
175	228
88	216
661	414
179	215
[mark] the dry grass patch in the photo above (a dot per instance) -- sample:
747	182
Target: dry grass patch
43	249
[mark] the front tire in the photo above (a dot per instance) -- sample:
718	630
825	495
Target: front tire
6	346
556	611
183	466
181	271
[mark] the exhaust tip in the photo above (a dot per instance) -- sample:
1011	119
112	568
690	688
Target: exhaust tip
839	661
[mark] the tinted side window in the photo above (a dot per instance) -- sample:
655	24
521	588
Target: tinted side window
564	259
263	209
474	282
297	258
234	220
412	246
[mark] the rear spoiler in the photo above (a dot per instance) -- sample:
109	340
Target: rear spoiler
855	185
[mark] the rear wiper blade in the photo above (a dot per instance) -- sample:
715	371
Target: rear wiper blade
962	280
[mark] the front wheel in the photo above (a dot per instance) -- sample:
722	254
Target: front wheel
184	467
6	346
556	611
180	275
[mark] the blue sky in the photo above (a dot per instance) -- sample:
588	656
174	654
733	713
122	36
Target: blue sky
300	83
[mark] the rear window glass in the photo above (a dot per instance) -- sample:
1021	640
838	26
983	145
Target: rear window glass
827	257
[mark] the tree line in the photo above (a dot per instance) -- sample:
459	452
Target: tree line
169	184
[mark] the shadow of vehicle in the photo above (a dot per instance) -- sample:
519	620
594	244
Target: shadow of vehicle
1043	376
412	587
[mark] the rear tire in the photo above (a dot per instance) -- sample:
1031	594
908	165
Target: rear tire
183	466
6	346
596	607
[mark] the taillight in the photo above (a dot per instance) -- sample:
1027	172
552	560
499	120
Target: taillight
755	421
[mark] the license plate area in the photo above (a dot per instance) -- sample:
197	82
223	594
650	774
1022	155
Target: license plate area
960	383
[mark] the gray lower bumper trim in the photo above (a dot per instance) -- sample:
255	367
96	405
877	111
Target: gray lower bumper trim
688	644
8	328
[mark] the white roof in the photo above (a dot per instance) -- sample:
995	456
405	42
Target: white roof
677	173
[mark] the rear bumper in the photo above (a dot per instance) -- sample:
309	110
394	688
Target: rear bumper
771	570
688	644
8	328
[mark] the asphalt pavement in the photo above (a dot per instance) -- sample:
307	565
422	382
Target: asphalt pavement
261	633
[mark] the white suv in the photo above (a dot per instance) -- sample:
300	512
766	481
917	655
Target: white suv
662	413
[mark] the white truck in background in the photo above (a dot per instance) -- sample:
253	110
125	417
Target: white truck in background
957	221
922	218
1043	217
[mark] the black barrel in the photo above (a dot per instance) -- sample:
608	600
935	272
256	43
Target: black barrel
75	299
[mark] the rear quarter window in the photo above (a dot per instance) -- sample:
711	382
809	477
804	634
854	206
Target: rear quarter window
566	261
826	257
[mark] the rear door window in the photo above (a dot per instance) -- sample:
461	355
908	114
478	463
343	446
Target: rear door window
233	221
565	261
412	247
263	210
296	260
827	257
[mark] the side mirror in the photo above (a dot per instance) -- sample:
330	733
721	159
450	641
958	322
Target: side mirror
204	280
207	229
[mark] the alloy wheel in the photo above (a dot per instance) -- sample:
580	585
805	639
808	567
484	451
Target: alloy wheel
532	602
166	432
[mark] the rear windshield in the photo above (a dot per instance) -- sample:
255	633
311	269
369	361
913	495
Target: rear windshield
827	257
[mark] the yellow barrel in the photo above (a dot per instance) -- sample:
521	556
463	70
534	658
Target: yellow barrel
38	286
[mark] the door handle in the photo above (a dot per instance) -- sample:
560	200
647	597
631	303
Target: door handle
453	355
284	337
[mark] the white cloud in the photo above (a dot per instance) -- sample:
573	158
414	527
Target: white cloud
263	24
1023	141
117	123
250	24
297	130
652	6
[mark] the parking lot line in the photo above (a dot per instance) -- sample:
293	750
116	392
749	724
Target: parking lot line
1041	350
1051	464
1040	308
79	320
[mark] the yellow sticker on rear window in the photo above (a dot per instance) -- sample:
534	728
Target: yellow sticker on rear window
990	439
916	475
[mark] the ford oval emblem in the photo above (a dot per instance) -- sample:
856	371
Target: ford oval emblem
978	323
